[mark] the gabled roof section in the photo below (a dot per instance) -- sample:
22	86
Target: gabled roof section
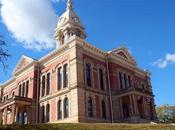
24	61
125	54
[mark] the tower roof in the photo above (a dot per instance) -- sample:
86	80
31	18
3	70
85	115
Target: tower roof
69	18
68	25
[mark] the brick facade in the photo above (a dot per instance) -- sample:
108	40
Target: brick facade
77	82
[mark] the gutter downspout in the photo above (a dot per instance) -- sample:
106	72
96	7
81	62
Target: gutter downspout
109	84
37	93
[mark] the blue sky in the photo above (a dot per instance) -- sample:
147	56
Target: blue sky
146	27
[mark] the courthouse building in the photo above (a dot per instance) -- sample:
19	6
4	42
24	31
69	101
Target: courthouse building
77	82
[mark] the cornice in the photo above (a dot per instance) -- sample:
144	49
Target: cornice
33	63
8	82
55	52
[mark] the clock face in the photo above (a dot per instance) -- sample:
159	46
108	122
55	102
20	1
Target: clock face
76	19
62	20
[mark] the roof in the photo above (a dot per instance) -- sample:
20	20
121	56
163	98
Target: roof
24	61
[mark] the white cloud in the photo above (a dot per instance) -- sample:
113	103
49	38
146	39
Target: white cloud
162	63
31	22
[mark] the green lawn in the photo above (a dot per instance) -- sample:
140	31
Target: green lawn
89	127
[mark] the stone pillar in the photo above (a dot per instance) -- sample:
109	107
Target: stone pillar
131	105
13	114
28	114
135	105
121	109
16	114
41	87
153	109
0	117
144	107
5	116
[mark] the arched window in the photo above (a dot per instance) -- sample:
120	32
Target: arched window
43	114
27	89
103	105
101	79
20	118
19	90
66	108
59	79
59	109
25	118
125	110
48	84
23	90
88	75
43	85
65	76
47	112
90	107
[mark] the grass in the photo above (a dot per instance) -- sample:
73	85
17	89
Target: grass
87	126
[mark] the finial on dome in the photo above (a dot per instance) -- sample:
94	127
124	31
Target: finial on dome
69	4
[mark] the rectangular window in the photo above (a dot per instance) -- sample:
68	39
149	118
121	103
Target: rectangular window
101	79
65	75
59	78
120	78
129	80
27	89
48	84
43	86
88	75
125	80
23	89
19	90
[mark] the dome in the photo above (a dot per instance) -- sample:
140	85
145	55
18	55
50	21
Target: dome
68	25
69	18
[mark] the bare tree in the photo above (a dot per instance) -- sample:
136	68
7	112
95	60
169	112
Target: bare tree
4	55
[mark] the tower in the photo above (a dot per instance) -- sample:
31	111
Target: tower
68	25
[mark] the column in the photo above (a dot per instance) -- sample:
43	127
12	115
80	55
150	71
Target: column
13	114
131	105
135	105
153	109
5	116
16	114
41	87
28	114
121	109
144	107
0	117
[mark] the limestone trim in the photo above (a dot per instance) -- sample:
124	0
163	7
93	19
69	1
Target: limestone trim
133	92
10	81
59	93
20	61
